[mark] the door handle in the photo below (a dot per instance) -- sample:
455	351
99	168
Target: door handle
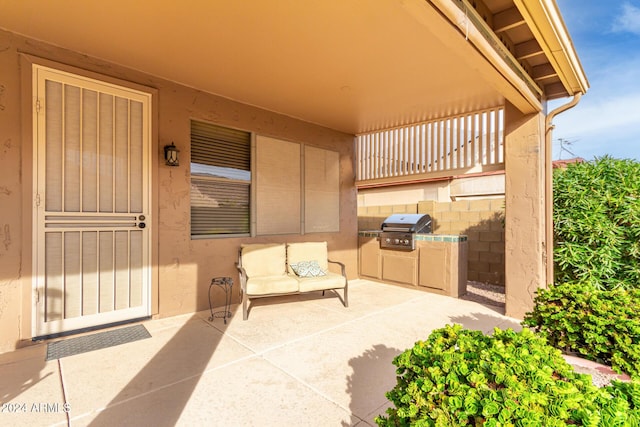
142	225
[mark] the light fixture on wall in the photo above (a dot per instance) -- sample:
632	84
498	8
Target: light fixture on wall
171	155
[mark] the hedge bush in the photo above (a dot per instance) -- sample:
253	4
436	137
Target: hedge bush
598	325
597	223
459	377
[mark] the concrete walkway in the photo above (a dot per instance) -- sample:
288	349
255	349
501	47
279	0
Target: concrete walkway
300	360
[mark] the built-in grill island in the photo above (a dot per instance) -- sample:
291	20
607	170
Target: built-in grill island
398	231
406	252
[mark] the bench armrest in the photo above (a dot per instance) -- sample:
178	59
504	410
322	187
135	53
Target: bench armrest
243	276
342	268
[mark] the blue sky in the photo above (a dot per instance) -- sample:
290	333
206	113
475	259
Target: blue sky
606	35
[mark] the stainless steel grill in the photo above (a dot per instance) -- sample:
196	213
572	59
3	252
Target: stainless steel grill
399	230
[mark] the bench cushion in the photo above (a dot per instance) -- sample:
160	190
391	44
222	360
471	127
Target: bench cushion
307	251
265	285
264	259
330	281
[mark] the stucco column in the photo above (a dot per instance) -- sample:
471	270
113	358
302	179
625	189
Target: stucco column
524	152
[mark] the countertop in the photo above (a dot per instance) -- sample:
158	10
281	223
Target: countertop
427	237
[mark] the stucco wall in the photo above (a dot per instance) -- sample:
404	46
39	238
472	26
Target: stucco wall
182	267
11	198
525	202
485	185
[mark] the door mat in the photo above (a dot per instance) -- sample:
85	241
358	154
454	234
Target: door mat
84	344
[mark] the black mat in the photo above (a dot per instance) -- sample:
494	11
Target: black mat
72	346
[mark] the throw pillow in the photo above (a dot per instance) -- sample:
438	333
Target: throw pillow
308	269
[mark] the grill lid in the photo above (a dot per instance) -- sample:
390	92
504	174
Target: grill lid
408	223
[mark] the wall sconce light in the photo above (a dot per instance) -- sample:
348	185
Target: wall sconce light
171	155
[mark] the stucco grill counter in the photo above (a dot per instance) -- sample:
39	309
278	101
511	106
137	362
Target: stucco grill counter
437	263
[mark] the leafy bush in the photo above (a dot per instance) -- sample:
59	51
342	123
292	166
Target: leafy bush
625	399
599	325
597	223
460	377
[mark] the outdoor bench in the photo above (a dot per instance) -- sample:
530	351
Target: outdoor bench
273	269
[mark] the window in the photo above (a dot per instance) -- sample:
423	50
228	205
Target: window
296	186
220	180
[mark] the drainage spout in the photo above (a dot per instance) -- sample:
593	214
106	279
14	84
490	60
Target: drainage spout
548	191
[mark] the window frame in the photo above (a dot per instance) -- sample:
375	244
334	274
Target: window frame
252	183
249	183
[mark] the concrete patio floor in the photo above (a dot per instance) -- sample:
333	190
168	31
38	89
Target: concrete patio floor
298	360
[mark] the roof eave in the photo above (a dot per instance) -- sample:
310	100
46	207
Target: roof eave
545	21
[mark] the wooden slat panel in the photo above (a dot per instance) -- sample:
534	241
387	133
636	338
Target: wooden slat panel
500	137
90	273
72	148
72	249
136	278
378	154
495	145
106	271
54	147
105	148
435	146
89	151
122	270
473	151
136	163
54	276
121	156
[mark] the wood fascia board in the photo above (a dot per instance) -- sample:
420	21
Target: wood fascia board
458	13
548	28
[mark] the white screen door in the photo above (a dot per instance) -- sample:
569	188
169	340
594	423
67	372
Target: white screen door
91	215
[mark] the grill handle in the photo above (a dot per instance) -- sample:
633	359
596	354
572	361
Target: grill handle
402	229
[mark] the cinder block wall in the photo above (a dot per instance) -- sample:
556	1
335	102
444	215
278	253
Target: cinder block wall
372	217
480	220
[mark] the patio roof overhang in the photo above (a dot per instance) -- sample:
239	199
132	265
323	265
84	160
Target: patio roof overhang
354	66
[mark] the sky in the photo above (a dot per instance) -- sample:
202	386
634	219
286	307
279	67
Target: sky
606	36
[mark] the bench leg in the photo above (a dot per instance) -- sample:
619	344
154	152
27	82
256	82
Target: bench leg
244	306
346	296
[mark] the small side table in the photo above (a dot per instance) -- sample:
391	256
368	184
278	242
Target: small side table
226	283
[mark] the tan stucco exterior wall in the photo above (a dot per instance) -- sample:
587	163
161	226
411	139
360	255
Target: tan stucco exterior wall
183	267
11	199
524	200
440	190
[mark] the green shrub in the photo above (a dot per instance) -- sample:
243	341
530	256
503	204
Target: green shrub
599	325
460	377
597	223
625	398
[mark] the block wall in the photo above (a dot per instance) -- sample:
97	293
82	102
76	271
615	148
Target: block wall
372	217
